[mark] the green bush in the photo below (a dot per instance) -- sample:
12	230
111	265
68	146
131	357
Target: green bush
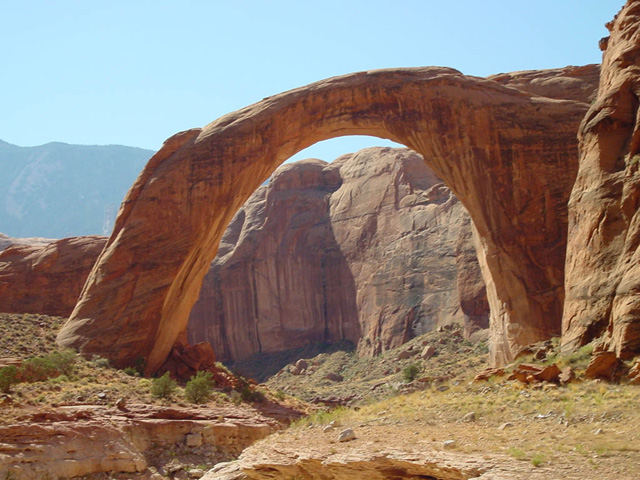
132	372
8	377
249	395
53	365
100	362
199	388
64	361
410	372
163	387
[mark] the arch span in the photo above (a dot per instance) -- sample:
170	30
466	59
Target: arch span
510	157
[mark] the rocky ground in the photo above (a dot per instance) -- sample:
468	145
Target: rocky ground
415	412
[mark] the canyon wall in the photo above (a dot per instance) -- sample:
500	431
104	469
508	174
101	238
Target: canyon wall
603	252
362	249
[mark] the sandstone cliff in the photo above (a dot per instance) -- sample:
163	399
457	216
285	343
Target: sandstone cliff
603	252
361	249
47	278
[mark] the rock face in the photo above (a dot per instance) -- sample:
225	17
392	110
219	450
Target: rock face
510	157
46	278
360	249
603	255
81	440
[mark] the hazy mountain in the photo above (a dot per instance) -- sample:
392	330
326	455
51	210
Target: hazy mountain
59	190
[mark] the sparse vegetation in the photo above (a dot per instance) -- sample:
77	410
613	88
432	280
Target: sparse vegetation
199	388
410	372
164	386
8	377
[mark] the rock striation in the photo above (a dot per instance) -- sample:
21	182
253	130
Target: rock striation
46	278
510	157
603	254
362	249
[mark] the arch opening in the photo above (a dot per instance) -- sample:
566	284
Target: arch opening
482	139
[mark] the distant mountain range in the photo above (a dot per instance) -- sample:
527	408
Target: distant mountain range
59	190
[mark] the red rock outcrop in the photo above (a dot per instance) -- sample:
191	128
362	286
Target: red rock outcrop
603	251
363	248
510	157
46	278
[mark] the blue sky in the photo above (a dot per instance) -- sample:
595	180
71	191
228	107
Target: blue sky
136	72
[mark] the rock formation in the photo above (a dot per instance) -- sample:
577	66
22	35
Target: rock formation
74	441
510	157
46	278
603	254
363	248
569	83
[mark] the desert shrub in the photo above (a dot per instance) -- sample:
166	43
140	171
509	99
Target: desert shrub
8	377
132	372
164	386
63	361
53	365
410	372
199	388
249	395
100	362
37	369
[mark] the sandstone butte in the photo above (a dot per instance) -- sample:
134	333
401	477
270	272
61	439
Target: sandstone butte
509	156
603	259
45	276
372	248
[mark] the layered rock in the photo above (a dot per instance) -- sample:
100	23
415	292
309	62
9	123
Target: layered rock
46	278
603	254
81	440
510	157
360	249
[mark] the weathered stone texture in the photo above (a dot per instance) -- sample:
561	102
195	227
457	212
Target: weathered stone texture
46	278
603	254
360	249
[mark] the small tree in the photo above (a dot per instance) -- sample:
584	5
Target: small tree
8	377
410	373
164	386
199	388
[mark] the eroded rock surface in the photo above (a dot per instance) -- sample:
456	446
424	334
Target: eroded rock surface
510	157
81	440
603	254
360	249
46	277
571	83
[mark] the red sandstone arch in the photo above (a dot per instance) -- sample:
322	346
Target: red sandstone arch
509	156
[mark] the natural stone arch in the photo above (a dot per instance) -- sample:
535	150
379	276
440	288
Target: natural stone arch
510	157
